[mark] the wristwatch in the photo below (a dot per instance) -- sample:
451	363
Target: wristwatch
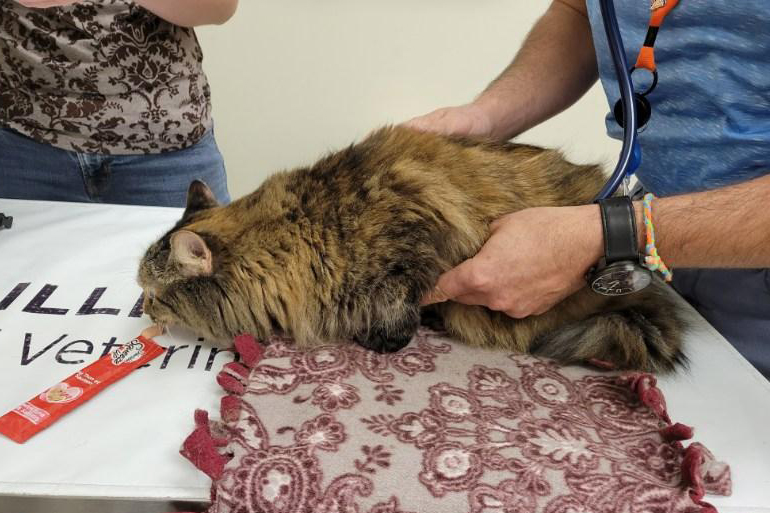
620	270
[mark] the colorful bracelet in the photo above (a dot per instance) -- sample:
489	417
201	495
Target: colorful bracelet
652	260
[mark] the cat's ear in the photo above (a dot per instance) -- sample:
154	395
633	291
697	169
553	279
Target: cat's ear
191	253
199	197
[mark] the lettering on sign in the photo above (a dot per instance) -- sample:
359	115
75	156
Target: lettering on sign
27	298
60	347
37	304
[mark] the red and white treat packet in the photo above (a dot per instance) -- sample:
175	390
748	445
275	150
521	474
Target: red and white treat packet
28	419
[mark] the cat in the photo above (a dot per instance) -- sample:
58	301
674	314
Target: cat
346	248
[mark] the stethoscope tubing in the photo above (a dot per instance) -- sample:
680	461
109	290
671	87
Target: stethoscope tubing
630	153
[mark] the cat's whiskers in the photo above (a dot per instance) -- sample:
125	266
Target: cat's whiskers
167	332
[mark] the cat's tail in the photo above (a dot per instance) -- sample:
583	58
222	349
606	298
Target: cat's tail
644	333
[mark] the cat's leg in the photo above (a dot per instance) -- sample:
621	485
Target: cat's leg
393	312
403	270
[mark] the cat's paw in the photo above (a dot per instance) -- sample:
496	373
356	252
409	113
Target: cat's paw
431	318
380	342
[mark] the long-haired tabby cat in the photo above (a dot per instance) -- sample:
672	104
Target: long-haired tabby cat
346	248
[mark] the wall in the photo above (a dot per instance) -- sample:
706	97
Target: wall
294	79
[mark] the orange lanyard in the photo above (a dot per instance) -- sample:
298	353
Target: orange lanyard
659	8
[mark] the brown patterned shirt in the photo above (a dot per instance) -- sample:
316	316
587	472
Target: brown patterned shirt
102	76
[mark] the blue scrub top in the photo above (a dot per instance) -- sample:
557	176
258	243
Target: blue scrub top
710	125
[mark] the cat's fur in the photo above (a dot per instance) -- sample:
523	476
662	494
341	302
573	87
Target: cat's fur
347	247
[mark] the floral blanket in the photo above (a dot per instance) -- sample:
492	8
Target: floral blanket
440	427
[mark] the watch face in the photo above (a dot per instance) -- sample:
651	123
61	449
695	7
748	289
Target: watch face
620	278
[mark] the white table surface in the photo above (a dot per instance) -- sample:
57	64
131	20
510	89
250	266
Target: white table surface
124	443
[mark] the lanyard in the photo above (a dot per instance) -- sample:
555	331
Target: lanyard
646	58
659	8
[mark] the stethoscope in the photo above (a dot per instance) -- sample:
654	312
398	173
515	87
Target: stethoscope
631	152
633	110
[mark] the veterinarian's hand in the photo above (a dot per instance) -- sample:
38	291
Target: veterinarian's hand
532	260
42	4
469	120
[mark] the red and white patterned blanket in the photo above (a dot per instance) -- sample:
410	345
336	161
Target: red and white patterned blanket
440	427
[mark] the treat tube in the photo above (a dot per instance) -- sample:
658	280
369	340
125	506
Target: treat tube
28	419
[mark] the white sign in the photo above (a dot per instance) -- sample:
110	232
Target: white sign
68	295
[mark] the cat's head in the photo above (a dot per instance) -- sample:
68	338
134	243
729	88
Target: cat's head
179	255
208	275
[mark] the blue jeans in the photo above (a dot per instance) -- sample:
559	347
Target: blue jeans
37	171
737	303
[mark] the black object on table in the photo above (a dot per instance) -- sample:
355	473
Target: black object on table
5	221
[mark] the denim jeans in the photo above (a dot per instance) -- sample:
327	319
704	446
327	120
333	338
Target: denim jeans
37	171
737	303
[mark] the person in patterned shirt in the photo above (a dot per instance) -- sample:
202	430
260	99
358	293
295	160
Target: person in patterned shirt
106	101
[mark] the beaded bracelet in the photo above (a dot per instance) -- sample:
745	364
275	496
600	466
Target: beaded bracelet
652	260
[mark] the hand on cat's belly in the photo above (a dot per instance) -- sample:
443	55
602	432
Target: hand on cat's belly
532	260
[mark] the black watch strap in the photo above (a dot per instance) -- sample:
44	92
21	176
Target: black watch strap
619	225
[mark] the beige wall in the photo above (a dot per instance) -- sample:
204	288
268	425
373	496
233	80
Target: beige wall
293	79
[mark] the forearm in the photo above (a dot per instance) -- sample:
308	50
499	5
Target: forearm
191	13
725	227
554	68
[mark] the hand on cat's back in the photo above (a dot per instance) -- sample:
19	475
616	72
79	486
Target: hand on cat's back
44	4
465	120
532	260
